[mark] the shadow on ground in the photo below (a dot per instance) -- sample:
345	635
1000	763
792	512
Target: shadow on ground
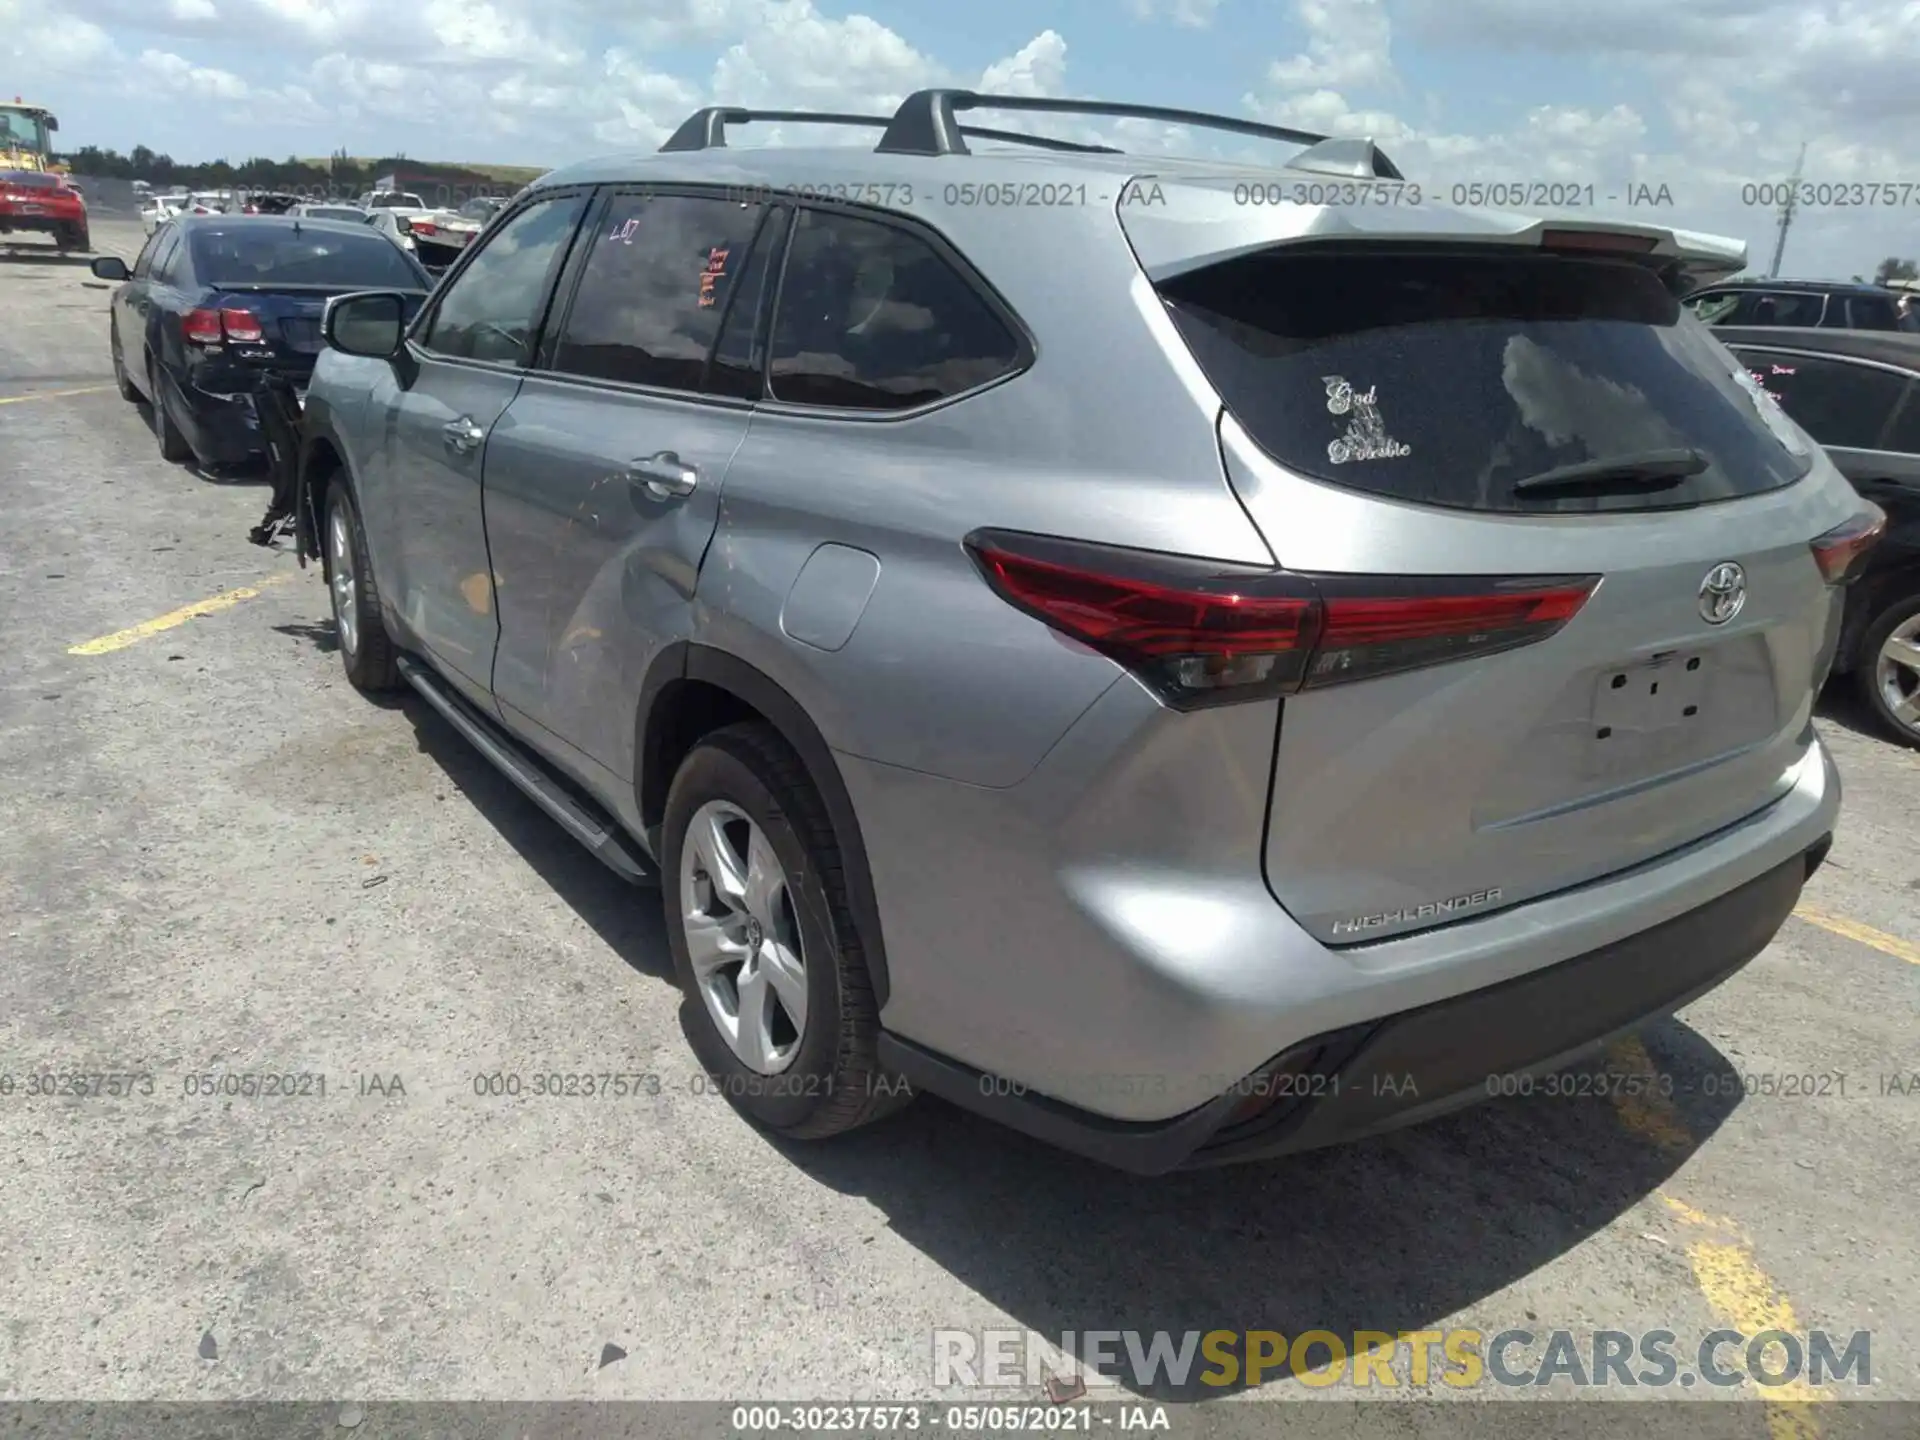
1841	704
12	254
1391	1234
626	917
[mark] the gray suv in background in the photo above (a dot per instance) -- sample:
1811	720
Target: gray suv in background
1195	662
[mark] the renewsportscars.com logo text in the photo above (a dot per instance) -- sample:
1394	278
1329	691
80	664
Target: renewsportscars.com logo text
1015	1359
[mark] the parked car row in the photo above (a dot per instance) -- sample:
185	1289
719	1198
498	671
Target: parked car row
1139	724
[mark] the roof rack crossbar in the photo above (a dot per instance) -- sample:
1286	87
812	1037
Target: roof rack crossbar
925	124
707	129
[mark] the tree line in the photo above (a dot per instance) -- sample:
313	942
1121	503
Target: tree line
340	173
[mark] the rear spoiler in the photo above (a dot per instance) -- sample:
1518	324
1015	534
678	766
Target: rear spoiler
1194	224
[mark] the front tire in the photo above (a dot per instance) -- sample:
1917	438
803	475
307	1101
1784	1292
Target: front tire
1888	672
366	650
779	1005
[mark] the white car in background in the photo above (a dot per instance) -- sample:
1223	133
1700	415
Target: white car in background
156	210
396	225
331	210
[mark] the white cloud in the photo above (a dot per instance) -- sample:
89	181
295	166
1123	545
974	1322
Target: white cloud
1348	44
1194	14
1039	67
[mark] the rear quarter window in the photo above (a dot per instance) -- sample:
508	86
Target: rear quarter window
873	317
1445	378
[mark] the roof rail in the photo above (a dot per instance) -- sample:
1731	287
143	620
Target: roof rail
707	129
925	125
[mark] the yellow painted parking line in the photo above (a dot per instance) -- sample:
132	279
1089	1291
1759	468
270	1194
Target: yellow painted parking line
1724	1266
133	635
1853	930
52	394
1745	1299
1647	1113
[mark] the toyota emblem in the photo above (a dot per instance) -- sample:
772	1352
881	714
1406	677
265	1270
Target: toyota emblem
1723	593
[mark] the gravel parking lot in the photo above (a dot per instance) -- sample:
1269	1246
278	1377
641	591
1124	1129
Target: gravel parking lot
217	857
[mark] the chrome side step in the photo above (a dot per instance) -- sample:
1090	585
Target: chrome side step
591	828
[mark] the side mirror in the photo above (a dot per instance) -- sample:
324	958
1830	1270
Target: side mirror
372	324
404	224
53	122
111	267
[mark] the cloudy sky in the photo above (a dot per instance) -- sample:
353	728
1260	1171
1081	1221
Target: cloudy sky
1701	96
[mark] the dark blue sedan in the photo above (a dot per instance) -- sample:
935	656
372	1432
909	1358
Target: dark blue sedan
217	303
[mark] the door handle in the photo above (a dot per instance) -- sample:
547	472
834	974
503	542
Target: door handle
664	475
463	435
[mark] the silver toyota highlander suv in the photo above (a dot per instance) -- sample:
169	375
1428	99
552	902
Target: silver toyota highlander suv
1195	662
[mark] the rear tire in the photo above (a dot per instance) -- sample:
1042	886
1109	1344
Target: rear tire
772	933
366	650
1888	670
173	445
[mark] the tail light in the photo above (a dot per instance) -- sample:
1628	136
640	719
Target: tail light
1199	632
1841	553
210	327
422	227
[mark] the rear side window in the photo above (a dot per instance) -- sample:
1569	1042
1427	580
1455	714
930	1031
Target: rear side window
871	317
1853	407
658	280
1870	312
1446	378
272	254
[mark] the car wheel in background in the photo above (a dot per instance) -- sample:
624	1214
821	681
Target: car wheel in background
173	445
779	1006
366	649
122	382
1889	670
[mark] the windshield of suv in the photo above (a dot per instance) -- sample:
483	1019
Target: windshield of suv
1446	378
395	200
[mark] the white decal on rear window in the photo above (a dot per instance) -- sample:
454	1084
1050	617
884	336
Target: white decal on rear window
1366	437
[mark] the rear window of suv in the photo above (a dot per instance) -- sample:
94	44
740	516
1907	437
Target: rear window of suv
1446	378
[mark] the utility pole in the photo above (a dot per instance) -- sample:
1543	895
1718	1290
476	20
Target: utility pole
1786	214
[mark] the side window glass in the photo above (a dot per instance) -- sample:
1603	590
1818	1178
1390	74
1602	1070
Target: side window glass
1869	312
1714	309
659	278
144	264
1903	432
493	307
1838	404
737	359
871	317
163	258
1779	307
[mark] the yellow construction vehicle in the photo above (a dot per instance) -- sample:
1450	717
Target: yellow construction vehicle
26	137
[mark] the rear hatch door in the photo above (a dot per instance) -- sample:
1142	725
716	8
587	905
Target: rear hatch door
1389	384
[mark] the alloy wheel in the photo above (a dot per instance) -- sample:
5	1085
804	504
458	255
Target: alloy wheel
1896	673
743	937
343	584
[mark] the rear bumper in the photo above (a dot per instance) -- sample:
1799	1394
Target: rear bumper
1364	1079
13	220
1099	936
224	427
